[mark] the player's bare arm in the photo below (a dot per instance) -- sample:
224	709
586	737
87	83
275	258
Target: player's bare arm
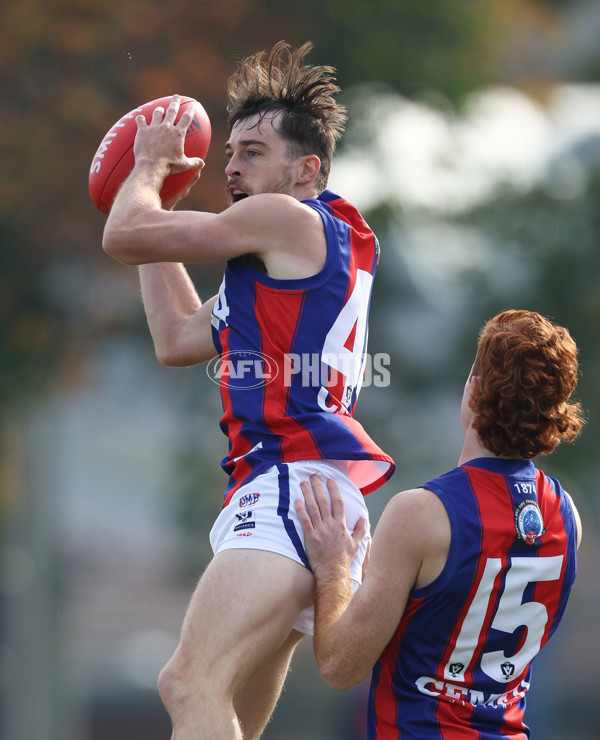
180	324
409	549
274	227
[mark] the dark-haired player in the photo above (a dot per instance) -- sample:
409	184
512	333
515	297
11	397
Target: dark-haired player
295	295
469	575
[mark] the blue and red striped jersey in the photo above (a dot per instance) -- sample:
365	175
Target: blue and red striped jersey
293	354
459	664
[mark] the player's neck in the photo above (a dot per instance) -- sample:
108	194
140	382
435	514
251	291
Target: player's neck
473	448
304	193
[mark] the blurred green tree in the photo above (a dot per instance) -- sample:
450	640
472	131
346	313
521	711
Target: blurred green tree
80	65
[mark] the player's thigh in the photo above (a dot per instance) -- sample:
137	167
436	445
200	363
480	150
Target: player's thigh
241	612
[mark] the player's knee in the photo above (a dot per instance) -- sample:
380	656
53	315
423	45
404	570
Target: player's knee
174	686
166	687
180	686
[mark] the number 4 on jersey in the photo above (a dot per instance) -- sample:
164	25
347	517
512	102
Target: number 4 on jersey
220	310
344	349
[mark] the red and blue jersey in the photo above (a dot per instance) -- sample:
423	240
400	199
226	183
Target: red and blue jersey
459	664
293	354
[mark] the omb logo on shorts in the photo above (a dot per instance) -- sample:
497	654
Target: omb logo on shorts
242	370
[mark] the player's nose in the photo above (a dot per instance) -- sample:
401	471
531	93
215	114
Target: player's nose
232	169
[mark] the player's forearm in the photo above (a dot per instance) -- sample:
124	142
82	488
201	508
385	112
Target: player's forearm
170	300
136	205
332	639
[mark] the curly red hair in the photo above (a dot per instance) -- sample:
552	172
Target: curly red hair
528	370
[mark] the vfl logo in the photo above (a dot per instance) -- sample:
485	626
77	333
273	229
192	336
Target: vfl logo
248	499
507	669
456	669
245	519
529	524
242	370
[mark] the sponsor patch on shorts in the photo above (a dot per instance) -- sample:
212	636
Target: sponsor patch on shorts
245	520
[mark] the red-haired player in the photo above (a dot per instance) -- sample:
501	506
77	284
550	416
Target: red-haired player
469	575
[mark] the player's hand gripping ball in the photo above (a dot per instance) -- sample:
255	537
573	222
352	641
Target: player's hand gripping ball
114	159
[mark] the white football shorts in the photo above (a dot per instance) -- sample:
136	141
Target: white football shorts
261	516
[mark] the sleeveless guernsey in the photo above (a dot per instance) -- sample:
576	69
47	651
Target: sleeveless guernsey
459	664
293	354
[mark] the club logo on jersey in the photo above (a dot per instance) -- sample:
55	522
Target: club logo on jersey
245	521
242	370
529	524
456	669
248	499
507	669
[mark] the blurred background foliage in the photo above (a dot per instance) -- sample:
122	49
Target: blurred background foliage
70	68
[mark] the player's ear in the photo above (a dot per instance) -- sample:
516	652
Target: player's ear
474	377
475	381
309	167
